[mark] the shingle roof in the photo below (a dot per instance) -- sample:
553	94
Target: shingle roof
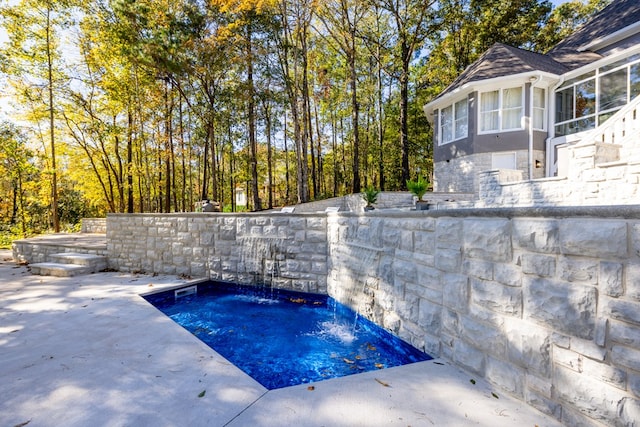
502	60
616	16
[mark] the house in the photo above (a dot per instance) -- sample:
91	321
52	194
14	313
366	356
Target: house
519	110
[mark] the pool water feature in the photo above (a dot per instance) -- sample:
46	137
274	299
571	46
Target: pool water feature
283	338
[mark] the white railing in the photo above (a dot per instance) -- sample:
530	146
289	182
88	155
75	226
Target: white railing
623	124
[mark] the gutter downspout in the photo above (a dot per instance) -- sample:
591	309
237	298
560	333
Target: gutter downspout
531	87
550	128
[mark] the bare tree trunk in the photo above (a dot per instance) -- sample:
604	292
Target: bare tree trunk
168	149
404	107
257	204
267	117
334	147
54	175
355	115
287	174
380	122
129	161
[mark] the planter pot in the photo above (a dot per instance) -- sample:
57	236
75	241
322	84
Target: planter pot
368	208
423	205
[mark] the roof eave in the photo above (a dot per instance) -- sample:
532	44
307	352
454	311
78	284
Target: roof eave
469	87
612	38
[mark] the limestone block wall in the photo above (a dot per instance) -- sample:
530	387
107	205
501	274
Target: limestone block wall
286	251
94	225
595	176
545	304
461	174
355	202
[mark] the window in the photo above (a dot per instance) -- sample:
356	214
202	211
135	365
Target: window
539	111
454	122
461	119
446	124
613	90
512	108
634	80
586	98
501	110
591	99
490	111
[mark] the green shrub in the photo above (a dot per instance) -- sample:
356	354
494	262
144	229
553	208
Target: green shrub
418	188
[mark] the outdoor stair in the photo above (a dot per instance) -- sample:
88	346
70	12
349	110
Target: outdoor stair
70	264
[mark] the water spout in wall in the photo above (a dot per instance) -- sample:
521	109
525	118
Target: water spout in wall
259	260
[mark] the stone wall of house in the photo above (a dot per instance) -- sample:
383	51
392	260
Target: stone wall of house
286	251
461	174
545	304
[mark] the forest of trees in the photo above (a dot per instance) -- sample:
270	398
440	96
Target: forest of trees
154	105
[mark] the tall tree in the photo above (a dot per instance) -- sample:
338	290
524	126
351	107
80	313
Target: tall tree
35	68
292	41
413	21
342	19
564	19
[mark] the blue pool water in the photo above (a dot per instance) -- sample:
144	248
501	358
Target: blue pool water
283	338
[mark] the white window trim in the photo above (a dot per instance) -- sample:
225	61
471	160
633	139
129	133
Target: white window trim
453	115
500	110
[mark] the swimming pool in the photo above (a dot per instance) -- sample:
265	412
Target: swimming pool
283	338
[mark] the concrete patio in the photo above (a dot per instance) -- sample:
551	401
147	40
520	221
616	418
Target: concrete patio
89	351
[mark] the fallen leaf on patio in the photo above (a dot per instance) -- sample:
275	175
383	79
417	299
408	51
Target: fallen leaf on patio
494	395
472	381
311	388
202	393
22	424
382	382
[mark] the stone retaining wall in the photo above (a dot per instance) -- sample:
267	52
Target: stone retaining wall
595	176
544	304
288	251
94	225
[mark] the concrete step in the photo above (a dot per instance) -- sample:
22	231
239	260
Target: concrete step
58	270
94	262
69	264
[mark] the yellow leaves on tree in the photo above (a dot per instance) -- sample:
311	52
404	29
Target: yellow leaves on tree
243	6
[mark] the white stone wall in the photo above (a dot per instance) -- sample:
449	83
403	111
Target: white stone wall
545	307
287	251
544	303
94	225
596	176
461	174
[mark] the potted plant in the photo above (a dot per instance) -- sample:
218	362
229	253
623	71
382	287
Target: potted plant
370	196
418	188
